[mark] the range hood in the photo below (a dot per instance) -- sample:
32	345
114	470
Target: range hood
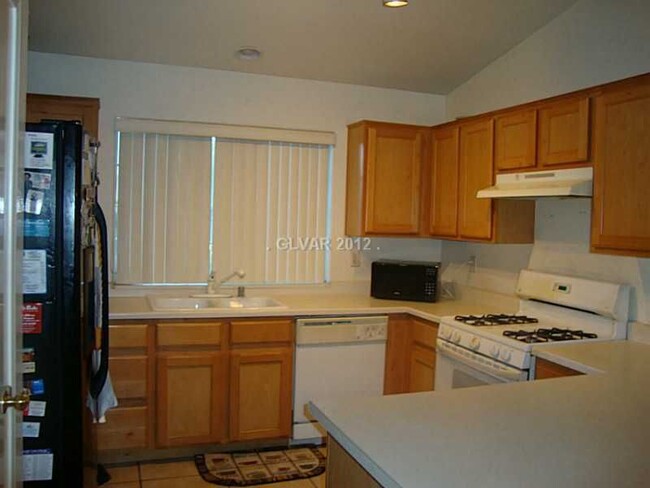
559	183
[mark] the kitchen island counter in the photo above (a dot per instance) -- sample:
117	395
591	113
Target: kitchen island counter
585	431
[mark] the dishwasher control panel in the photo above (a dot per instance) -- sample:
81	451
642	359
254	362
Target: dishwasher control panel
371	332
335	330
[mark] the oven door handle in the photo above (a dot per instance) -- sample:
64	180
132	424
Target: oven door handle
504	374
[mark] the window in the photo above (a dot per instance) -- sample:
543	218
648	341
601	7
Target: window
195	198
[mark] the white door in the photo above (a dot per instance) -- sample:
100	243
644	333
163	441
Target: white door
13	49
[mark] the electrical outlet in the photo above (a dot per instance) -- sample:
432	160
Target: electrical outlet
356	258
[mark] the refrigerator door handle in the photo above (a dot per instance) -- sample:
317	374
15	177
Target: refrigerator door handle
99	378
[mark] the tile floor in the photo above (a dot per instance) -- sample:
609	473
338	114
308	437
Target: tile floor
182	474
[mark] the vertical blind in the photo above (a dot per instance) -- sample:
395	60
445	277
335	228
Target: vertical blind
269	193
188	205
162	209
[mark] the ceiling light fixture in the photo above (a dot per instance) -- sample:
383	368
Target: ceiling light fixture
248	54
395	3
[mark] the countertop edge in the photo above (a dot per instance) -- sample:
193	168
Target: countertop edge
558	358
353	450
285	312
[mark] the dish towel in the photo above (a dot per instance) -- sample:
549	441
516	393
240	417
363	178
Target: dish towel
106	399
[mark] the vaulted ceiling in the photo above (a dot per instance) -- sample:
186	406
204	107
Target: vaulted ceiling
430	46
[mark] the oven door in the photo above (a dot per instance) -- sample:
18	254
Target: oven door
460	368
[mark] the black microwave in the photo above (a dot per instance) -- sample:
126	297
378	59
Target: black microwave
405	280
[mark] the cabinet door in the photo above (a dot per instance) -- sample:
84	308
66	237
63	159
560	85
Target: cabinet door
546	369
125	428
86	110
476	170
422	369
515	140
393	183
260	393
398	346
343	471
621	214
444	183
563	133
191	392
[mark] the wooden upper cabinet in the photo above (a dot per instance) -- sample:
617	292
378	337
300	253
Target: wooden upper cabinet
515	140
384	187
621	205
563	132
85	110
443	214
476	173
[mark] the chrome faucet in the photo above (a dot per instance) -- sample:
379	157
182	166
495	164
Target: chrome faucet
214	284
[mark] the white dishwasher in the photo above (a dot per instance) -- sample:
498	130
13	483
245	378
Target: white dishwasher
335	357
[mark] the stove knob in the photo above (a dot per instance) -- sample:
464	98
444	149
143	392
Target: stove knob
494	351
506	354
475	343
445	333
455	337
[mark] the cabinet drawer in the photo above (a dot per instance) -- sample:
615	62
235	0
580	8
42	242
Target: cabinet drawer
124	428
127	335
129	376
188	334
255	332
424	333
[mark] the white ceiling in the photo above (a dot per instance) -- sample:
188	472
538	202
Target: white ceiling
430	46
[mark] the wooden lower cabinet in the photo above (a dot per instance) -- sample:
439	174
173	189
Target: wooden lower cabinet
547	369
260	393
410	355
125	428
129	425
191	398
422	369
343	471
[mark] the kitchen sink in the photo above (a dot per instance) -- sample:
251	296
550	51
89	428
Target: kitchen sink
184	304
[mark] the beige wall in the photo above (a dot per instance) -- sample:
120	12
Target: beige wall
170	92
593	42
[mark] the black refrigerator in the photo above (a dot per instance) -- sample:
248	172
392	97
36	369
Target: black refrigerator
65	304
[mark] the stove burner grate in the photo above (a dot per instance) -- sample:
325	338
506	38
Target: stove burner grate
495	319
548	335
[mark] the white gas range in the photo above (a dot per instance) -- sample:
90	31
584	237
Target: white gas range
496	348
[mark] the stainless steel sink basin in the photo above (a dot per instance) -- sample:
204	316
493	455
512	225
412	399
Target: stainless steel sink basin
184	304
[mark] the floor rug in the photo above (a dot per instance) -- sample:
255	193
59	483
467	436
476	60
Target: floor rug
252	468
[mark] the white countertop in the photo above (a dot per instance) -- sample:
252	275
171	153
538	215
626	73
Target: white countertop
587	431
134	308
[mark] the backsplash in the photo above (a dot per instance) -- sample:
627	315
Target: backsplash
561	246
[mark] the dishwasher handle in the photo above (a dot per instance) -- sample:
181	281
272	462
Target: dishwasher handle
323	323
